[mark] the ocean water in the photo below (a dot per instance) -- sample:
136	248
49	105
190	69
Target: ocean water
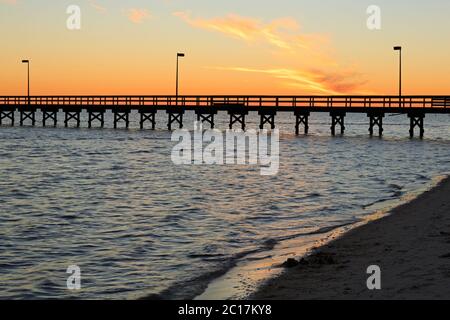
113	203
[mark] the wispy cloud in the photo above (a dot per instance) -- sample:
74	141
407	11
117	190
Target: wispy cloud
314	81
306	60
136	15
281	33
96	6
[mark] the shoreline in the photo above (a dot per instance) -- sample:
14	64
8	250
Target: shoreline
249	274
410	244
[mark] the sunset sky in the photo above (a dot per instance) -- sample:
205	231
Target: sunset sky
232	47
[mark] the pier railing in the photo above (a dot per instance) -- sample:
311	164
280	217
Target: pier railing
247	101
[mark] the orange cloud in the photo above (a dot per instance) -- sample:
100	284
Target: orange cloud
280	33
315	81
315	69
137	15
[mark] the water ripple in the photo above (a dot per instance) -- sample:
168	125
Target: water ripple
112	202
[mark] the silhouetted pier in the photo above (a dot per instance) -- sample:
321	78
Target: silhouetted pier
238	107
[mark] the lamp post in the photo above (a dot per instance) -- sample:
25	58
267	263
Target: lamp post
179	55
28	78
399	49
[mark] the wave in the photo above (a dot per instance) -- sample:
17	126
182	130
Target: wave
188	289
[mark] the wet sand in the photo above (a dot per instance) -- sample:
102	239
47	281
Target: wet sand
411	246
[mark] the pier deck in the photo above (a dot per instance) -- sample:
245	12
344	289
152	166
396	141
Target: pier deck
415	107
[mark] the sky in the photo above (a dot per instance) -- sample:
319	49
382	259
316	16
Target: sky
233	47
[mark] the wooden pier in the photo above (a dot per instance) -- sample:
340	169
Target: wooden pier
237	107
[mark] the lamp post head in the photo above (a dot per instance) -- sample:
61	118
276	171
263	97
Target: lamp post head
180	54
397	48
25	61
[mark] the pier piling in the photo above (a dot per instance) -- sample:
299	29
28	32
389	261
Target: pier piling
416	120
71	114
337	118
237	112
27	113
376	119
267	116
49	113
7	113
147	115
96	114
301	118
122	115
206	115
175	115
237	117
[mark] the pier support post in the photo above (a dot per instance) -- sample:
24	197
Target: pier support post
206	115
337	118
122	115
376	119
237	117
96	115
69	115
147	115
28	114
175	116
416	120
301	117
7	114
49	114
267	116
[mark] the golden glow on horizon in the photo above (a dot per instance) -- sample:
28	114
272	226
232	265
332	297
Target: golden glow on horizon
132	50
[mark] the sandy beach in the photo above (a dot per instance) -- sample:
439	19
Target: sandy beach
411	246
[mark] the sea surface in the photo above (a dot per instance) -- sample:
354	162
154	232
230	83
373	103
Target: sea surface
113	203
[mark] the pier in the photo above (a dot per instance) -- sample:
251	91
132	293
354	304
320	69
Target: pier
238	107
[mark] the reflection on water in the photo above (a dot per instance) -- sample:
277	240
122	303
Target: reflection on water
111	202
